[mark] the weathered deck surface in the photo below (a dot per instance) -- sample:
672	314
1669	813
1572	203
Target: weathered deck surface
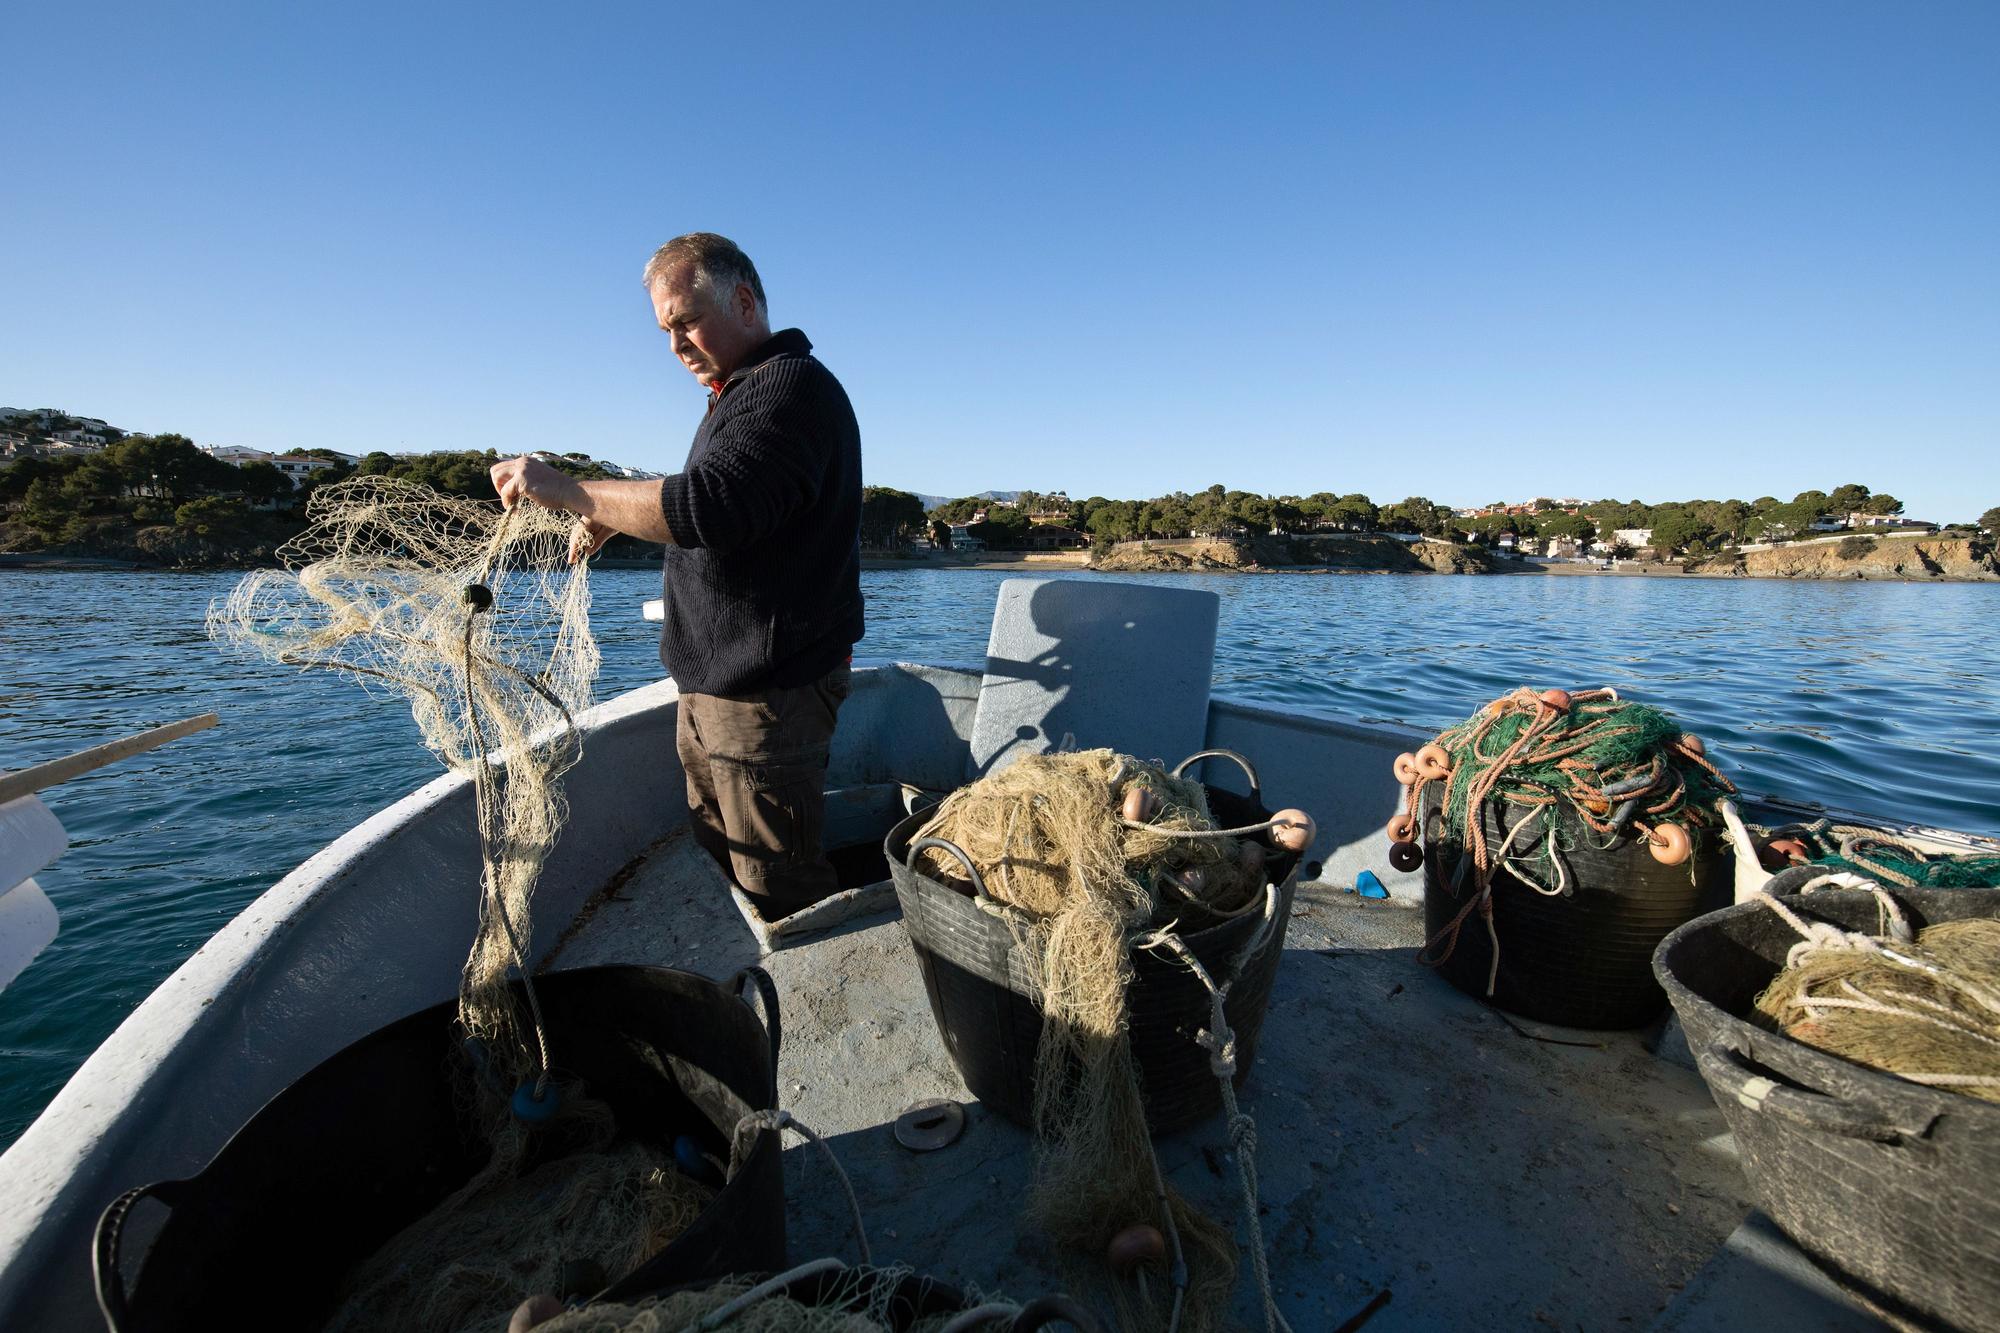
1410	1139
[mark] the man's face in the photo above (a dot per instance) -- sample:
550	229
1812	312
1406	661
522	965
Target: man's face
711	339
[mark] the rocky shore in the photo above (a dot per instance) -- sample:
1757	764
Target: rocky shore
1917	559
1355	553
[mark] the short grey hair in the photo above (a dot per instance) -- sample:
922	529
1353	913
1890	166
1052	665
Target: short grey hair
719	265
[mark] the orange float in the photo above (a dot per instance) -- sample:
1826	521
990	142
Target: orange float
1669	844
1433	761
1293	830
1556	699
1406	768
1135	1248
1402	827
1141	804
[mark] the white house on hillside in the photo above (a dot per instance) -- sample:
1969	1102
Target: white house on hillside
236	455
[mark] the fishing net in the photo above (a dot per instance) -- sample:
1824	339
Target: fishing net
1923	1007
574	1223
1876	855
861	1300
1557	772
1051	836
476	618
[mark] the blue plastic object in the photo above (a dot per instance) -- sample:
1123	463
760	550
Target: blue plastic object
1368	886
533	1109
693	1162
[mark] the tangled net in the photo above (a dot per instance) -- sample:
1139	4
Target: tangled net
475	616
581	1220
1054	837
1877	856
854	1300
1923	1007
1561	770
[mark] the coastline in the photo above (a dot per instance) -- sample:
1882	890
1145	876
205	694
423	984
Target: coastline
1030	562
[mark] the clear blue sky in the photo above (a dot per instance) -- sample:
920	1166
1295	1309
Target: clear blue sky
1474	251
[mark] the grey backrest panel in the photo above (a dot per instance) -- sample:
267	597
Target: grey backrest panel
1124	665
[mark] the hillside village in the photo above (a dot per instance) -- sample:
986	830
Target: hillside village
79	485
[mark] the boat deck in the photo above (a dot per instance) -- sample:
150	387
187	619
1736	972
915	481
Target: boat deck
1483	1171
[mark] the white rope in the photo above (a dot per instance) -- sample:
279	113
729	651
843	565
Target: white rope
780	1120
1220	1043
722	1314
1209	832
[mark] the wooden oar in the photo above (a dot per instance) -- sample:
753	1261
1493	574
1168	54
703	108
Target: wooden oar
29	780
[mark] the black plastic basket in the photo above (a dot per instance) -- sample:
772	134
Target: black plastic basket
1582	958
1891	1185
988	1012
376	1136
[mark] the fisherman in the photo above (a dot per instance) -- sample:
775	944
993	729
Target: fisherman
762	572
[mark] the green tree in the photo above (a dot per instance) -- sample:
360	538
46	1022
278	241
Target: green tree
262	481
960	510
1559	524
1355	513
1676	529
169	466
44	508
1004	529
1847	499
212	517
1989	522
888	516
1417	514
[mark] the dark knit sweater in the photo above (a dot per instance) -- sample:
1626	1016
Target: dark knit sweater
763	577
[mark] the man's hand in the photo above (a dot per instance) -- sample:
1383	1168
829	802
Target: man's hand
532	479
588	538
604	507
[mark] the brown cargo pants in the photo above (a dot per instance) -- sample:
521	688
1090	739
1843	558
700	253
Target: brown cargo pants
756	782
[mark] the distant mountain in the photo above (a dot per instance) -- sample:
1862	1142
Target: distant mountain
933	501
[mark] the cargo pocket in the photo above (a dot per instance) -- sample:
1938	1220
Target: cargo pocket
786	811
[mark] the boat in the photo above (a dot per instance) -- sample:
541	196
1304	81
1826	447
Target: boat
1423	1160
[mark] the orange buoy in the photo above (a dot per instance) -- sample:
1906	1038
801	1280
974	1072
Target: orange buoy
1556	699
1789	848
1693	744
1141	804
1669	844
1135	1248
1406	768
1402	827
535	1310
1293	831
1193	878
1433	761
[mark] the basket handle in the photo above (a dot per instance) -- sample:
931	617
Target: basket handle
1256	788
104	1246
767	992
1731	1074
951	849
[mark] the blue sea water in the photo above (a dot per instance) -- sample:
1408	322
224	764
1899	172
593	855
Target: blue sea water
1876	697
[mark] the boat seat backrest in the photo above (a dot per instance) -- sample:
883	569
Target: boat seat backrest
1124	665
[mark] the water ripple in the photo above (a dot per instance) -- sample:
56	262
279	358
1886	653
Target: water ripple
1878	697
